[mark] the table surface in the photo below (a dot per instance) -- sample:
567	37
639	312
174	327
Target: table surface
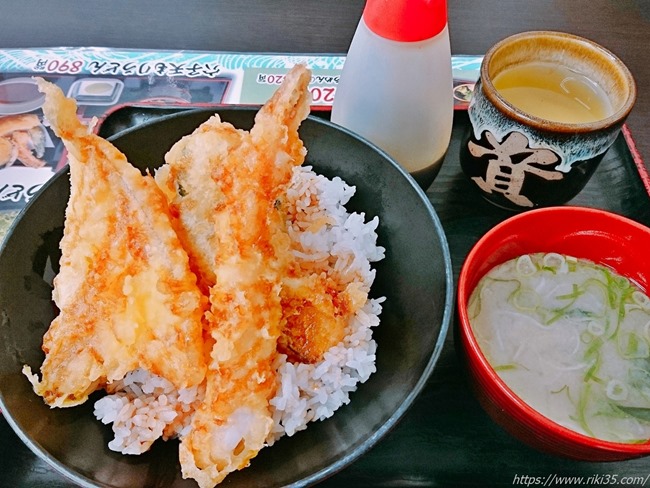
327	26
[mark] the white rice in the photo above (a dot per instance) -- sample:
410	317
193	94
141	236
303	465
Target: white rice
143	407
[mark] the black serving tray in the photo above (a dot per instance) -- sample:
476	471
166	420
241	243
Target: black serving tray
445	439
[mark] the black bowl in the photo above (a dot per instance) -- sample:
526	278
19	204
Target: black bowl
415	276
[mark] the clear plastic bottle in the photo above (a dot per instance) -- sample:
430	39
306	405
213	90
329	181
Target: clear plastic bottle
396	85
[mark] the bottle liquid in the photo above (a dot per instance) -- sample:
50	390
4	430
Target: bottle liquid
395	89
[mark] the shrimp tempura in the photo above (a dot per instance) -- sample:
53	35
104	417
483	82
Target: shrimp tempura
126	295
226	187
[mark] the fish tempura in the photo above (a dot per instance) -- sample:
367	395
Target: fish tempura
126	295
226	186
223	302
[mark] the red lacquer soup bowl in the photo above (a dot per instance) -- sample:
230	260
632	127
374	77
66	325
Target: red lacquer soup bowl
597	235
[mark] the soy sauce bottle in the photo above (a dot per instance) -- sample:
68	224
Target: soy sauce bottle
396	85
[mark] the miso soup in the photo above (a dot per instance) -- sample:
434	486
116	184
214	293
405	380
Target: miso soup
572	339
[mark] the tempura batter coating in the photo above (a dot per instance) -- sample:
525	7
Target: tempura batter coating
226	185
316	309
126	295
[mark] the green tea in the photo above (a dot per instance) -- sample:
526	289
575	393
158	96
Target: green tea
553	92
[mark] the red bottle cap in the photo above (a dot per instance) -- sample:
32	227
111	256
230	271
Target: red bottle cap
406	20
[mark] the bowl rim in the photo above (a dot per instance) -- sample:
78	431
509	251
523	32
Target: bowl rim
370	441
570	42
514	405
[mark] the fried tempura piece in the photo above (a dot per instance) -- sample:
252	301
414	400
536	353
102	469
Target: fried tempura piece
8	152
317	309
21	122
225	186
25	145
126	295
22	138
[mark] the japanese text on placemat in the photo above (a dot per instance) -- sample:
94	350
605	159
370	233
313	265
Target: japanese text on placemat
321	87
16	192
128	68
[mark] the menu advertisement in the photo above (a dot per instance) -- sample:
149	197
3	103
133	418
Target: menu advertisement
103	81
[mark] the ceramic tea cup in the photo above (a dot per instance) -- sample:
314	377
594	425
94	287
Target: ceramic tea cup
545	110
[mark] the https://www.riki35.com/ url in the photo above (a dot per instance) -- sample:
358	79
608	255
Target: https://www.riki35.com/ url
553	479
